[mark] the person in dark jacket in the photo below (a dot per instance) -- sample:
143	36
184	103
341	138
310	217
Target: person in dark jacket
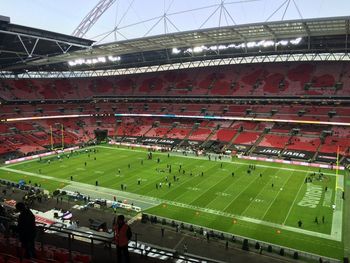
26	229
123	234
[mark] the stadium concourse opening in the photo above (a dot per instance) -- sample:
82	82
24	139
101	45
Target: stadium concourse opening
243	146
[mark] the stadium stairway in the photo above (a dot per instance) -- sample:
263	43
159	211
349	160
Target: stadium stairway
229	144
213	131
256	143
187	136
284	148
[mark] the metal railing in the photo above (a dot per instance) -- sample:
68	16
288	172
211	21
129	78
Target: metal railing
98	240
276	249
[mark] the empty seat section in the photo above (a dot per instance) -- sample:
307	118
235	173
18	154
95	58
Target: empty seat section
247	138
276	141
304	143
201	134
224	135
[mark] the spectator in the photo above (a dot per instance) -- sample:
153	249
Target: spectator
122	236
26	229
3	221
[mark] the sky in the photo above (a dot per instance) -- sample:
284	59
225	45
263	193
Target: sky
162	16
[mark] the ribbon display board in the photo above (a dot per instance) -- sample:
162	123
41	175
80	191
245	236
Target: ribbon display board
295	154
153	140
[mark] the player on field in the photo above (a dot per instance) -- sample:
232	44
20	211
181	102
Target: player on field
300	223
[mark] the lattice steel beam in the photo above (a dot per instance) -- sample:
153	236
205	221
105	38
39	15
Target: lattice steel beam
184	65
91	18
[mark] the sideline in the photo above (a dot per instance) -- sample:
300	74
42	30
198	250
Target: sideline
86	188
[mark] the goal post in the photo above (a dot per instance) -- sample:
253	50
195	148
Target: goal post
52	140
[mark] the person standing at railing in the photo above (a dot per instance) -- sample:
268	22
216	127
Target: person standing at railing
26	229
123	234
3	221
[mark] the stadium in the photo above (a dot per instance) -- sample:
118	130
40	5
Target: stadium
218	144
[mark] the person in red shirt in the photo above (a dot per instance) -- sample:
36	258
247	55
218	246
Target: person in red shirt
122	234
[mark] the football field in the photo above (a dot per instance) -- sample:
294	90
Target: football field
260	200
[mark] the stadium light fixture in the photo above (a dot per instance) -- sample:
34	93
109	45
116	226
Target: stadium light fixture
197	49
268	43
92	61
101	59
296	41
175	51
282	42
252	44
113	59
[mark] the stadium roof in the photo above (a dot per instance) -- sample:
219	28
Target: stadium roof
318	35
20	45
232	34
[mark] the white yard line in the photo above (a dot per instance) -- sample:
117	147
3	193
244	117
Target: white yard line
296	197
279	191
235	182
241	192
261	191
206	190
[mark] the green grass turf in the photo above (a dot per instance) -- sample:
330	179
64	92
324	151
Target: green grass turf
242	194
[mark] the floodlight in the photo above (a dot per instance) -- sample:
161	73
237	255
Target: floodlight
113	59
79	61
260	43
296	41
283	42
197	49
101	59
251	44
268	43
175	51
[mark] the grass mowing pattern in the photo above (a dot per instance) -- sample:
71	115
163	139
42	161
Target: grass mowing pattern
243	194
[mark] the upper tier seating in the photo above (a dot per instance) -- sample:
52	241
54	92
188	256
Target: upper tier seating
237	80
